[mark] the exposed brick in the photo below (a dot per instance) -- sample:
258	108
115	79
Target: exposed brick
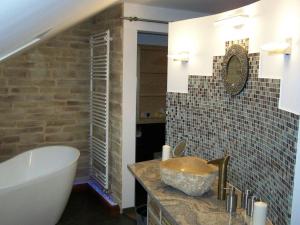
3	91
50	130
6	149
7	123
12	139
25	147
59	122
76	127
72	83
18	82
29	138
53	90
30	123
59	137
76	103
25	90
11	117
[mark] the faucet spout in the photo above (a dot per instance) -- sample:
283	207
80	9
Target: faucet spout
222	163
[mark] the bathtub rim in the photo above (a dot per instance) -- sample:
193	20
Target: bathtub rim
54	172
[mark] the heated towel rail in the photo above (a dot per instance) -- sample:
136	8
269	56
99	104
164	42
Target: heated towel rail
99	108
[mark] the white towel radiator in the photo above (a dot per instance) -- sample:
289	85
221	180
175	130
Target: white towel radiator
99	108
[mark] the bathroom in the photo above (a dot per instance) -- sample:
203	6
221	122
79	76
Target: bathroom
45	76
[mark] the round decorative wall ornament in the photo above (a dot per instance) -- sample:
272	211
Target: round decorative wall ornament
235	69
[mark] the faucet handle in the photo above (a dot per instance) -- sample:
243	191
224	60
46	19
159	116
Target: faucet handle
231	200
231	189
250	207
179	149
245	197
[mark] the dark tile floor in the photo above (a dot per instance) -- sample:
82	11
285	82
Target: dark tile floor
84	208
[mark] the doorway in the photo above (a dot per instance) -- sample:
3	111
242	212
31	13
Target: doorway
151	100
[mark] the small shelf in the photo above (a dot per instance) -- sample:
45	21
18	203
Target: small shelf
152	95
151	120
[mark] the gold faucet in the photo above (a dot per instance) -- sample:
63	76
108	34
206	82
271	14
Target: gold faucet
222	164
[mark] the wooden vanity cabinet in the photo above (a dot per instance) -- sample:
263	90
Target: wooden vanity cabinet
155	215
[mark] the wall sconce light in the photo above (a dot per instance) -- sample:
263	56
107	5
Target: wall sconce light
183	56
234	21
282	47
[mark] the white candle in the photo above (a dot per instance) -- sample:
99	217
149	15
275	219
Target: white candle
166	152
260	213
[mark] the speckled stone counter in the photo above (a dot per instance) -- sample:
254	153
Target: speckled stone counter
181	208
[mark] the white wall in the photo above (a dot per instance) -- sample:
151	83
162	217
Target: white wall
131	30
269	21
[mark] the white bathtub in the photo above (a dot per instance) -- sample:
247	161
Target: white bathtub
35	185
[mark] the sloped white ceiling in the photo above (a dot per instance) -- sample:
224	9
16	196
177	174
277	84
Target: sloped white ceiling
21	21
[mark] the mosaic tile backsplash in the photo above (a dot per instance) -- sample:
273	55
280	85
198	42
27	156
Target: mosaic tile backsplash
261	138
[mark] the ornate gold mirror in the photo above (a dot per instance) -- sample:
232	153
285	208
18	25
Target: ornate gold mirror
235	69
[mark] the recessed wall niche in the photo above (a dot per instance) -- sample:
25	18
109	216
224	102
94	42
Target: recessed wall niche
259	136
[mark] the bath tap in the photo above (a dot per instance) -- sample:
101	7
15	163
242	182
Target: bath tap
222	163
179	150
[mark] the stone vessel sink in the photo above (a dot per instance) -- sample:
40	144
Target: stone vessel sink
192	175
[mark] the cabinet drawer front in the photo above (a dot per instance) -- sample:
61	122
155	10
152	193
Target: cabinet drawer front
152	220
154	207
155	214
165	220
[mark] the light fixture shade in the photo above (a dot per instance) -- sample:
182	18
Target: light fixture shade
280	47
183	56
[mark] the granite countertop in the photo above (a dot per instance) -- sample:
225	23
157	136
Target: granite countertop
181	208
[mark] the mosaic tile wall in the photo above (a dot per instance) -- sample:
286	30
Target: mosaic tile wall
260	138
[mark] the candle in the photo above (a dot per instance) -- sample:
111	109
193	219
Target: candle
166	152
260	213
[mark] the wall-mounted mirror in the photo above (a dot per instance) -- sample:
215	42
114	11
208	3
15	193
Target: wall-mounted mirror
235	69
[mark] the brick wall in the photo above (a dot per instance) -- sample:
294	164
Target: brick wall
44	96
